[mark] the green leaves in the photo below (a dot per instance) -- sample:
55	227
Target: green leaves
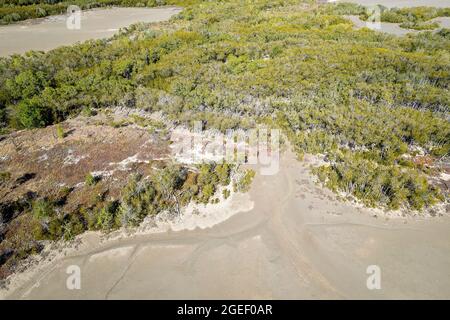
375	184
43	209
91	180
230	64
106	219
32	113
123	68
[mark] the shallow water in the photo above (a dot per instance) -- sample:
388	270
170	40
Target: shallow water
394	28
51	32
402	3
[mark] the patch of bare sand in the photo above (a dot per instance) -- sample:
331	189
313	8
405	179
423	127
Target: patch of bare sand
402	3
395	29
297	242
51	32
90	145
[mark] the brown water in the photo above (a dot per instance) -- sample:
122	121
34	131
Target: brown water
394	28
402	3
49	33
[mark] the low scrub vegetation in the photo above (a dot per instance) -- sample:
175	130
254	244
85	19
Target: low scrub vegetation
368	102
17	10
333	89
168	189
410	18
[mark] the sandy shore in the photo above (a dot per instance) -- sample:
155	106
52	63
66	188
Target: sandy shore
51	32
402	3
395	29
297	242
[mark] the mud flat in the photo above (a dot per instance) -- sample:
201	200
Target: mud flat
295	241
51	32
395	29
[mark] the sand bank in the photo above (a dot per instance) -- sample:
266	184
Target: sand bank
395	29
297	241
402	3
51	32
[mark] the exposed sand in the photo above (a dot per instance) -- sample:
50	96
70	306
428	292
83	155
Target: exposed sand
51	32
394	28
297	242
290	239
402	3
53	162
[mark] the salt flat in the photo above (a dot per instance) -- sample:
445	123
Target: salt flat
297	242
